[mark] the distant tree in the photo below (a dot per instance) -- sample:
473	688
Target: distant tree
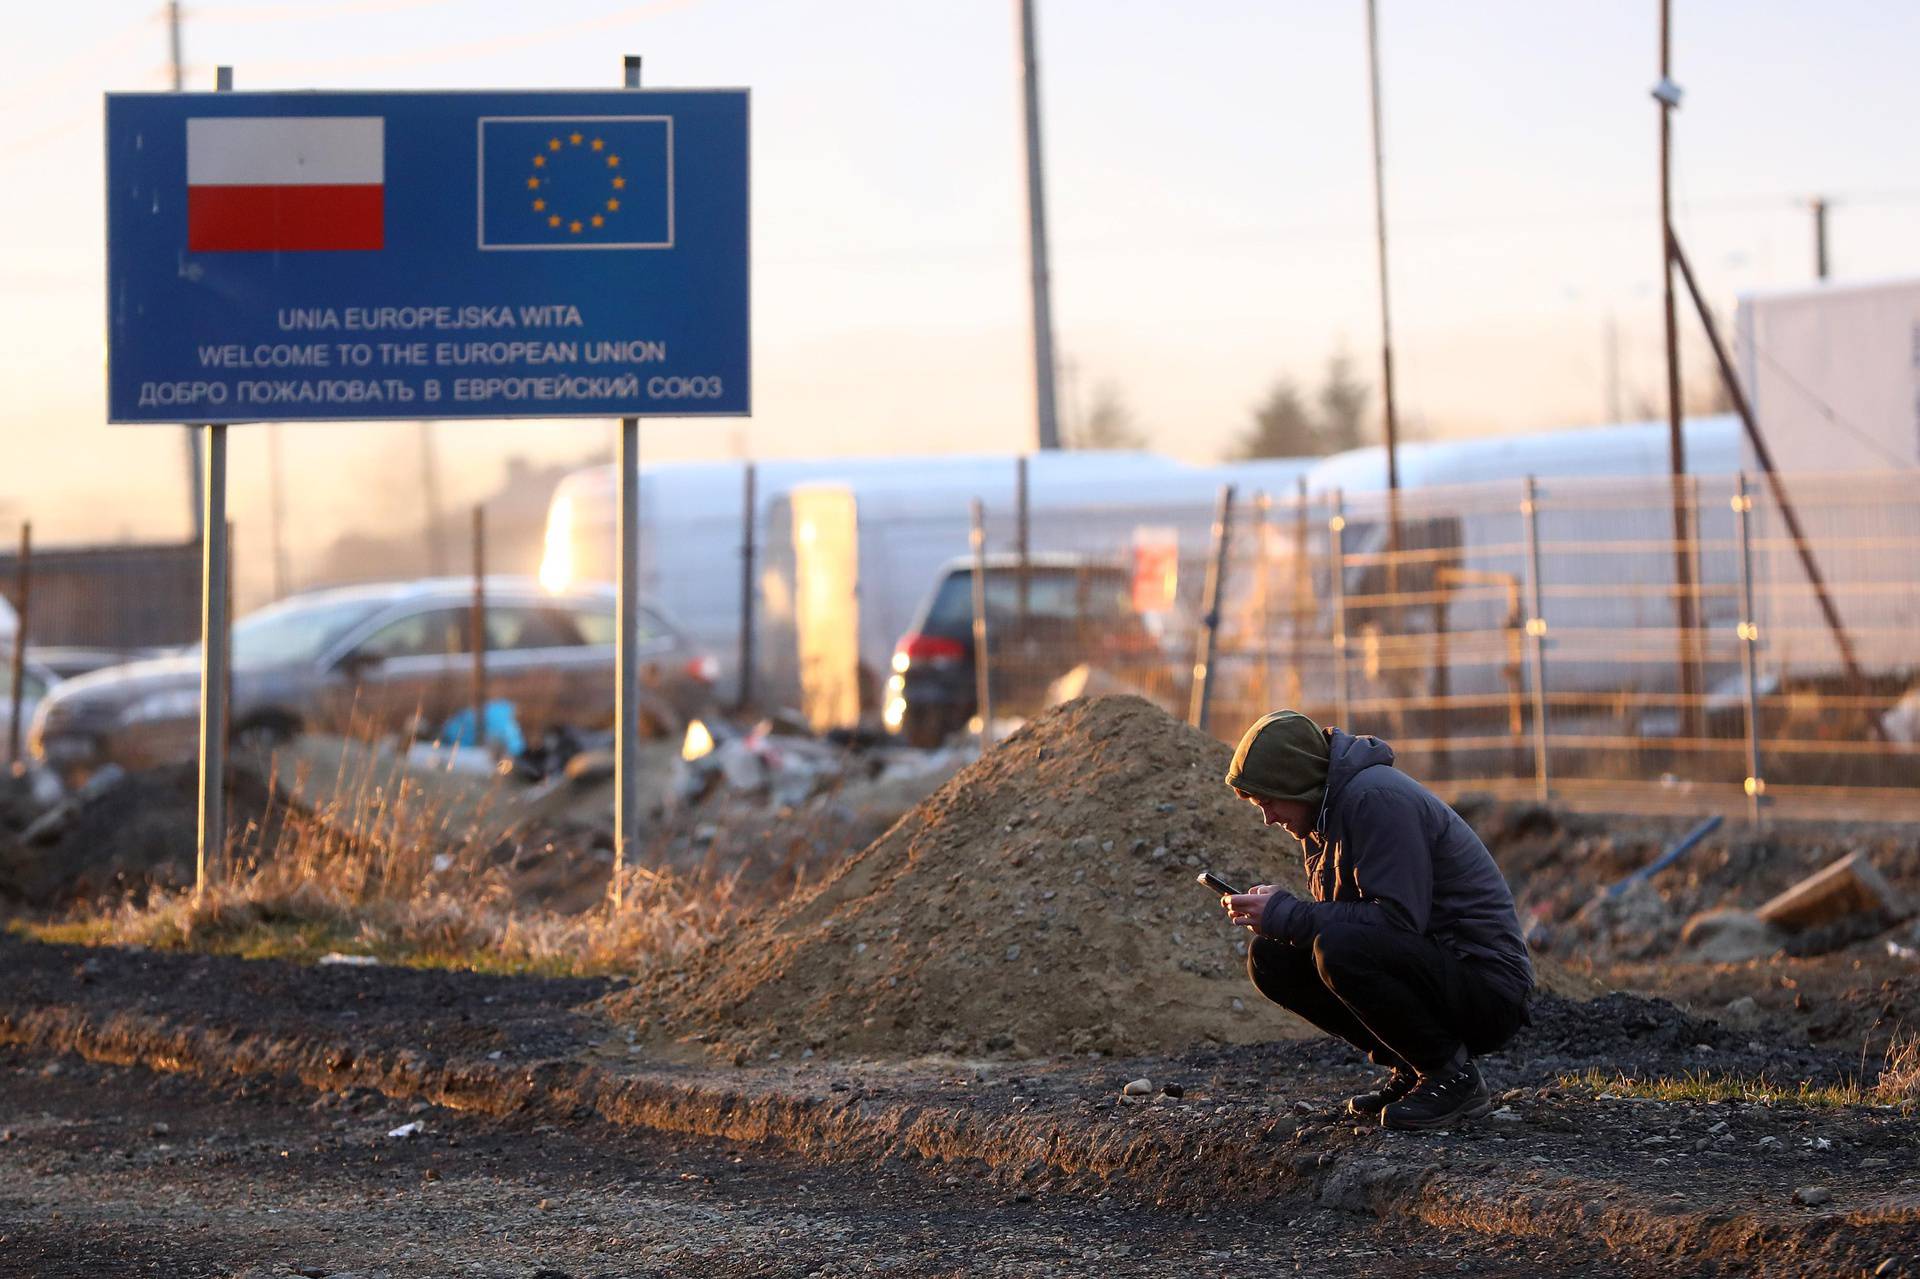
1108	424
1282	426
1343	406
1644	406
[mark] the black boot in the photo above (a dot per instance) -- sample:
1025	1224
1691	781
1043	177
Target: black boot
1439	1100
1384	1094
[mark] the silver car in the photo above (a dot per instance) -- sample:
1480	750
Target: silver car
379	658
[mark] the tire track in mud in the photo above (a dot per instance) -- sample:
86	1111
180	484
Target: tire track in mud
1174	1159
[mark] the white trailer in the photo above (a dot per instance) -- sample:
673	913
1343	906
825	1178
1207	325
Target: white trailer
1833	373
911	515
692	534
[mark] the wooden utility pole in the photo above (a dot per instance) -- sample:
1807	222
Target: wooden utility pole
1048	431
1820	237
1392	423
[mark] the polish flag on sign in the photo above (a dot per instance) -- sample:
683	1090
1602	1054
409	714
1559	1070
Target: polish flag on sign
278	184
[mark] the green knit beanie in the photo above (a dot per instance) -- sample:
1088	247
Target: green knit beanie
1282	757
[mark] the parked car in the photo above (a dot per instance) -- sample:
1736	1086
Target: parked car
379	657
1077	610
71	662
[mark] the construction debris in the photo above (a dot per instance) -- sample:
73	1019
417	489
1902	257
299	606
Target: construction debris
1849	888
1730	937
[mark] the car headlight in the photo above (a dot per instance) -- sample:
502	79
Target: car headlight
179	703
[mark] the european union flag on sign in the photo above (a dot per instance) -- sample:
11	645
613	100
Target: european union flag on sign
589	182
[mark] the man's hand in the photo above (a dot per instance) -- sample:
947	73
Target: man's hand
1245	908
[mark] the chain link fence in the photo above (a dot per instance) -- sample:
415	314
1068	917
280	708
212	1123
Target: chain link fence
1620	642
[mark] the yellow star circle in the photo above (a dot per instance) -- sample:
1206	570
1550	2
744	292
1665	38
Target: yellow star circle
545	175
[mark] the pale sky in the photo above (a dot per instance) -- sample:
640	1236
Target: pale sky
1208	189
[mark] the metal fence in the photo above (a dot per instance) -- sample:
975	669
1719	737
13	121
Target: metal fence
121	598
1611	642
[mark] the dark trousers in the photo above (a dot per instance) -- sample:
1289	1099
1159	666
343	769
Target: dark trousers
1402	998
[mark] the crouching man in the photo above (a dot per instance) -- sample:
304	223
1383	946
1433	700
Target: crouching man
1410	949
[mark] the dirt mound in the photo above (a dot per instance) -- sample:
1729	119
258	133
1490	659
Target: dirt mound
137	835
1041	902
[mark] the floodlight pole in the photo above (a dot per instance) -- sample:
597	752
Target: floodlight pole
1684	619
215	620
626	705
1043	360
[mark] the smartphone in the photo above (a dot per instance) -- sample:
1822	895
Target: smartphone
1217	884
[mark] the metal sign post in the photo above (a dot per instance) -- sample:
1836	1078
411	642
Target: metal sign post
626	659
215	620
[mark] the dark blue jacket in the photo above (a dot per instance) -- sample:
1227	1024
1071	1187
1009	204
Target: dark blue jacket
1386	851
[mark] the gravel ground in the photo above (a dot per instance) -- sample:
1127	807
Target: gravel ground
124	1172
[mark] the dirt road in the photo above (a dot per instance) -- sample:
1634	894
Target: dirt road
279	1085
111	1171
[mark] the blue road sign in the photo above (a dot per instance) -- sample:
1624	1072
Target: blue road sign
350	256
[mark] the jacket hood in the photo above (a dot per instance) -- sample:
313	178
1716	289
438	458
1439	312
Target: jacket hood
1349	756
1282	757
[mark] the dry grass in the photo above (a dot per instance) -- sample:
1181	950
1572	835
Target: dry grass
410	871
1898	1085
1900	1073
